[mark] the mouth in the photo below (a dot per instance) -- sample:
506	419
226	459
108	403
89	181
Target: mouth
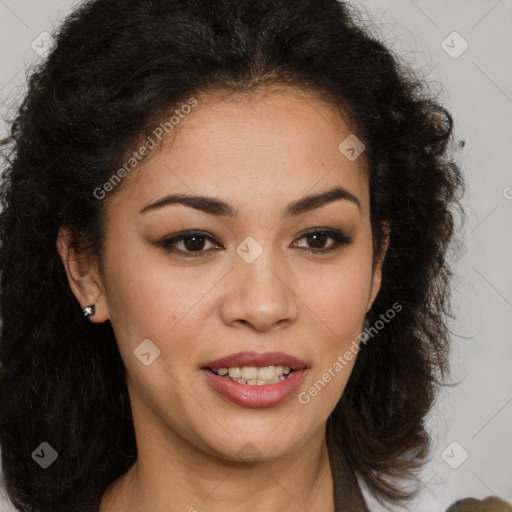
253	369
253	380
254	375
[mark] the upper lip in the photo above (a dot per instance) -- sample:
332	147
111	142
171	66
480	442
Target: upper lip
254	359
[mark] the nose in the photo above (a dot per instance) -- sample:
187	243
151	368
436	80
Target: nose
260	294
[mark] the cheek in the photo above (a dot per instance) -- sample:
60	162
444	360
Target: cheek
337	312
158	301
339	298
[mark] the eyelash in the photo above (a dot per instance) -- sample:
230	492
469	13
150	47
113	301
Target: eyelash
339	237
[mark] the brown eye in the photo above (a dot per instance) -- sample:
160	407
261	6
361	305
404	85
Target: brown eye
317	239
194	243
189	244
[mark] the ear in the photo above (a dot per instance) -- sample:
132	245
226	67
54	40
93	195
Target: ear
83	276
377	270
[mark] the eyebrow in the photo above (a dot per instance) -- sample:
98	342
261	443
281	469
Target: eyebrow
214	206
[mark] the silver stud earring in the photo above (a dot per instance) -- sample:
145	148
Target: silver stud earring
89	311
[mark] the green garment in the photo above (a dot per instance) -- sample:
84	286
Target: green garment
490	504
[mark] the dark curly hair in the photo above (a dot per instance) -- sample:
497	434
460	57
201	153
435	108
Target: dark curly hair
118	67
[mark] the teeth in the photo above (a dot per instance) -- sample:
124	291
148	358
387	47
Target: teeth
235	372
249	373
267	372
255	376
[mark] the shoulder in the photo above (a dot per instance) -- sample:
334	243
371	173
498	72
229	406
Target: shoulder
490	504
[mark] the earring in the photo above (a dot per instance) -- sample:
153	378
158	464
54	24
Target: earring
89	310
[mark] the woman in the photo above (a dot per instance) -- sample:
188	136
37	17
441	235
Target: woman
224	273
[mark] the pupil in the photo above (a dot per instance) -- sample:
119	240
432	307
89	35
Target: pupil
317	240
198	244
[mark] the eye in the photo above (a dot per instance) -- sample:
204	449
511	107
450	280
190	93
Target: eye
319	236
192	243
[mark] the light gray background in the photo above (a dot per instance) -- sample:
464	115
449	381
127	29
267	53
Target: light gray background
477	88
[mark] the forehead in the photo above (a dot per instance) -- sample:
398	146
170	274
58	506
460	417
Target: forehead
246	146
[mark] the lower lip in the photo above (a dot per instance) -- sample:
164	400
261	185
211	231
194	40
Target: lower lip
257	396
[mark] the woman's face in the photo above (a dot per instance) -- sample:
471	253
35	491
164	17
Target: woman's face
252	287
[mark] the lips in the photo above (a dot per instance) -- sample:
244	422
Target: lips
255	396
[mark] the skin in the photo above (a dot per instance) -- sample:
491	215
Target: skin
258	153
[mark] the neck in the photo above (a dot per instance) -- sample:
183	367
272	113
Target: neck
177	476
